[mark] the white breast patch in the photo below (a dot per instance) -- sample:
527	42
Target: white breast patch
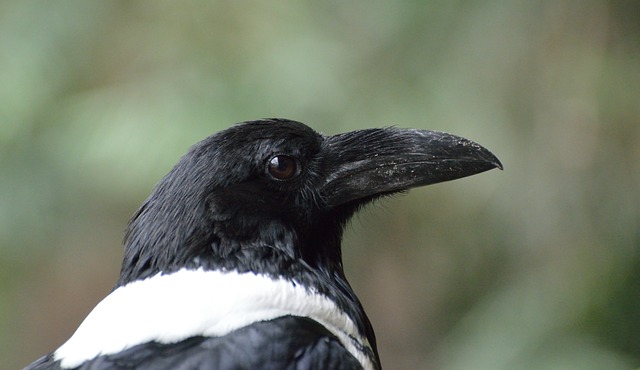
187	303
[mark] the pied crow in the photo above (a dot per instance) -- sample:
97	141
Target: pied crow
234	261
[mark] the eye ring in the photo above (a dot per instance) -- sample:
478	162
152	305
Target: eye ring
282	167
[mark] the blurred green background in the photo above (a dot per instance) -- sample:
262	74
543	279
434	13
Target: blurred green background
536	267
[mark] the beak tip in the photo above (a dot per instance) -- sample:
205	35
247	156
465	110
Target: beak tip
483	154
488	157
496	162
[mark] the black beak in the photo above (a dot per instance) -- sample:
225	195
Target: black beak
373	162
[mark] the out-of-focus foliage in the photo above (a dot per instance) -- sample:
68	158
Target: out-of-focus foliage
536	267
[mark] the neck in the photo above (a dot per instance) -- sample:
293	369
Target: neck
265	261
156	243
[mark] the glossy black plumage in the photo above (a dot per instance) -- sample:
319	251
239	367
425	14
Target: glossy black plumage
221	209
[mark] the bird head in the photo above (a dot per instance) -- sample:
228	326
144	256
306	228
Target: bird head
274	195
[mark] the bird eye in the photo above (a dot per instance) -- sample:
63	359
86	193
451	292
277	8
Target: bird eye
282	167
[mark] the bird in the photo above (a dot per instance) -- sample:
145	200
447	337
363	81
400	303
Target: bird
234	261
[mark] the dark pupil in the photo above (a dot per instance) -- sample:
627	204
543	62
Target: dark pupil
282	167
